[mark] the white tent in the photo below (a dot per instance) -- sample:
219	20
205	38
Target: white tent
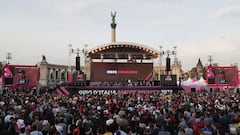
187	82
191	82
201	81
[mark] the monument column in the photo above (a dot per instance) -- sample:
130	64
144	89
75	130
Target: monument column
113	26
54	75
44	71
65	75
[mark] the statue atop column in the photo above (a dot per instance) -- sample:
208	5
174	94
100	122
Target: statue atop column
44	60
113	24
43	57
113	17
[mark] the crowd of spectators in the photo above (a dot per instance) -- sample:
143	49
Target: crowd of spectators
182	113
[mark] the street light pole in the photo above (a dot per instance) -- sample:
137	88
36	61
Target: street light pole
85	53
168	60
210	60
69	57
161	53
9	57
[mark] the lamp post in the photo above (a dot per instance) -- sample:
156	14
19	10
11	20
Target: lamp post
168	53
161	53
174	52
168	60
69	57
210	59
8	57
76	51
84	51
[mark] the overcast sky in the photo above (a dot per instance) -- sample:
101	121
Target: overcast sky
199	28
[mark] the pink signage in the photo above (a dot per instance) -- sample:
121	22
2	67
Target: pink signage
127	71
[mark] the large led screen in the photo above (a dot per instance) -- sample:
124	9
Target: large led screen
224	76
168	80
101	72
20	76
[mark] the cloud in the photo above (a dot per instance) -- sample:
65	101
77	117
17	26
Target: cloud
222	48
231	11
153	7
75	6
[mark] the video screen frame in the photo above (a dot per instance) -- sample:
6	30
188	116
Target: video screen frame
20	76
109	72
222	76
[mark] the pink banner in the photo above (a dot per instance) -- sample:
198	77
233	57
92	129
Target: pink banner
65	90
59	92
70	78
127	72
149	76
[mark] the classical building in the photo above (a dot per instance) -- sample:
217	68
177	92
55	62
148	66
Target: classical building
198	70
52	73
199	67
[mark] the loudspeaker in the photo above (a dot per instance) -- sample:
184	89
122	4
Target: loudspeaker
77	63
211	89
88	82
193	89
156	83
168	64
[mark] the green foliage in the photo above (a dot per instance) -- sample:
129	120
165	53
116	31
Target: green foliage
204	72
193	74
81	72
78	72
1	66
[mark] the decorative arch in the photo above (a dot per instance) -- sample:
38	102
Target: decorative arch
122	50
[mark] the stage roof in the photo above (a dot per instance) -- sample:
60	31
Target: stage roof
122	50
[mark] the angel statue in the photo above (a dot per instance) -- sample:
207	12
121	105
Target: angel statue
113	17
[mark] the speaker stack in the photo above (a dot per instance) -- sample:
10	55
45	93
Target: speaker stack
78	63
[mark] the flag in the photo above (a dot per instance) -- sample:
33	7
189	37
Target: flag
210	74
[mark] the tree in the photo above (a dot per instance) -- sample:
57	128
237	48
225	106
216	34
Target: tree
204	72
1	66
193	73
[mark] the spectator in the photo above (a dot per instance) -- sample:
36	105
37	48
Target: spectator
35	131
